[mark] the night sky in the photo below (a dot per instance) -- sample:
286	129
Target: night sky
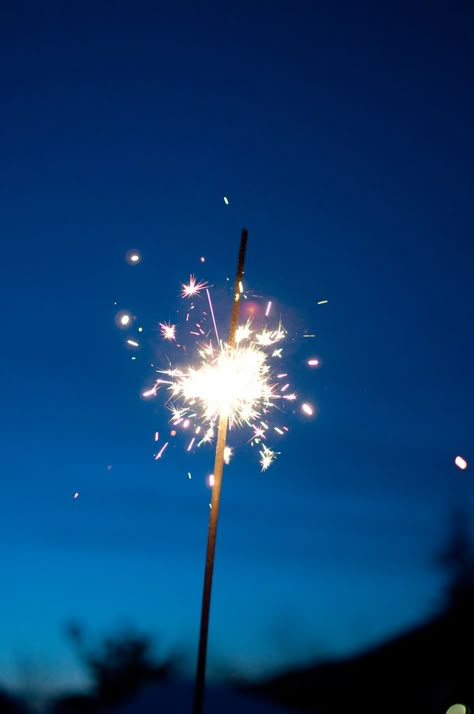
342	135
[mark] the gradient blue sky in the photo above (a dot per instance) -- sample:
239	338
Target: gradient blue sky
342	134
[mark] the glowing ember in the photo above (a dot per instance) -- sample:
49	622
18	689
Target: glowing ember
460	463
133	257
313	362
133	343
307	409
123	319
150	392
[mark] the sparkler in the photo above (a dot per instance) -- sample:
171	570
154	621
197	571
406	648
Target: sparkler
215	500
231	384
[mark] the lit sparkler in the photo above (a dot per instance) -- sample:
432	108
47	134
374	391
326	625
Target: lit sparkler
222	385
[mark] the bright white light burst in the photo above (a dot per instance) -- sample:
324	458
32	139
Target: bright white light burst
233	382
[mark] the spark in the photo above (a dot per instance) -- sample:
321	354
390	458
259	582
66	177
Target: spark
308	335
140	329
308	409
160	453
258	433
157	436
168	331
189	475
210	480
208	436
313	362
226	200
177	413
278	430
202	259
269	337
267	311
322	302
151	392
227	454
285	387
123	319
460	463
193	288
191	443
133	343
76	495
243	332
267	457
212	314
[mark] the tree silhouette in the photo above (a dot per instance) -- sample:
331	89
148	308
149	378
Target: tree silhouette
457	560
120	665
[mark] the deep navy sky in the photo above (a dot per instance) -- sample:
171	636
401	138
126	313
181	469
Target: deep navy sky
343	137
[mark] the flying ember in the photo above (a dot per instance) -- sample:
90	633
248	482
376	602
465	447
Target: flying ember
460	463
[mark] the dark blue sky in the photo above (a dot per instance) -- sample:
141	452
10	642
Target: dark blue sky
343	137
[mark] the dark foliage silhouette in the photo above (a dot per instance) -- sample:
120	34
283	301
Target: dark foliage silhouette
10	705
118	667
427	669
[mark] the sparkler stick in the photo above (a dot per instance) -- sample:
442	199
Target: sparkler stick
198	707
